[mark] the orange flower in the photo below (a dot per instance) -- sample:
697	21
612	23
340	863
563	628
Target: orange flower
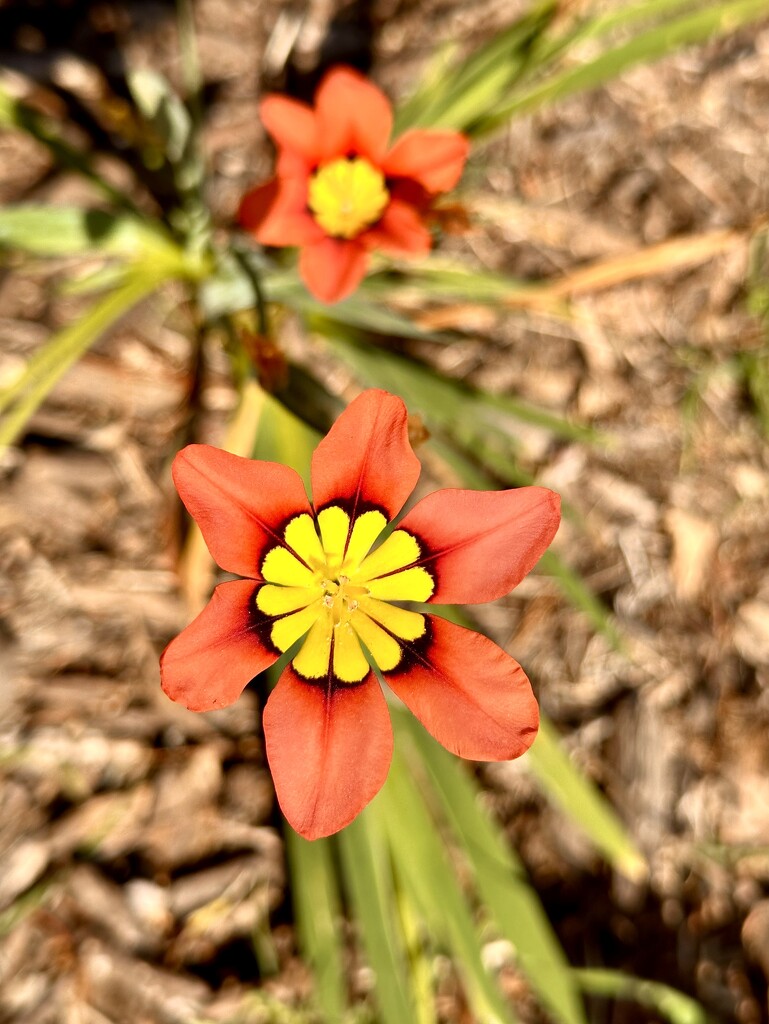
340	189
315	577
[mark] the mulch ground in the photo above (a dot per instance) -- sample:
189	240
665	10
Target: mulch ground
143	872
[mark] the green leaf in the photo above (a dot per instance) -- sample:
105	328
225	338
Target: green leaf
15	114
315	894
165	112
419	857
171	121
501	880
70	230
668	1002
367	877
581	596
460	95
650	45
582	803
231	289
472	417
22	399
440	281
283	437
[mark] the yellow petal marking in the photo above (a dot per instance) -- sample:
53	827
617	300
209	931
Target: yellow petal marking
300	534
346	196
365	531
280	566
399	550
340	602
410	585
278	600
350	663
312	661
290	628
334	526
405	624
385	651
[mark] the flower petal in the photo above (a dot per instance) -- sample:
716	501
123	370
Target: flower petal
366	458
239	504
209	664
482	543
332	268
434	159
471	696
329	749
353	116
276	213
399	231
291	124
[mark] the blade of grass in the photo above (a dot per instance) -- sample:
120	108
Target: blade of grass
231	289
675	1006
451	404
581	596
46	367
317	907
367	877
647	46
456	99
582	803
70	230
420	862
501	880
419	964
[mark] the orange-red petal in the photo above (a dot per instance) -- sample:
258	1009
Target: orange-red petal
329	749
208	665
366	458
471	696
435	159
239	504
276	213
292	125
353	116
332	268
481	544
400	231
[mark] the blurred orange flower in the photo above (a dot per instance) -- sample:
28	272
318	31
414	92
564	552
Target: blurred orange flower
341	189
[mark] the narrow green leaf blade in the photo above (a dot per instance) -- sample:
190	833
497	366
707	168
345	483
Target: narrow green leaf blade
501	881
582	803
318	913
581	596
283	437
22	399
420	861
675	1006
650	45
70	230
368	879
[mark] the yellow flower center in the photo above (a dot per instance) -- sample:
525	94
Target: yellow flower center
335	592
347	196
